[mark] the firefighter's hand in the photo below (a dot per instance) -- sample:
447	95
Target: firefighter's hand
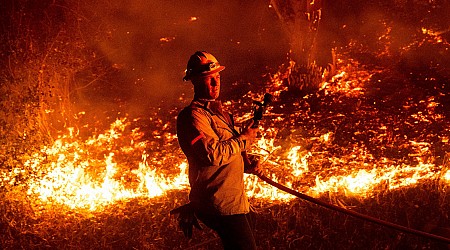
186	219
248	133
254	168
187	223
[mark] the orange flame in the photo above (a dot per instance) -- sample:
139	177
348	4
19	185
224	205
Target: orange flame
72	181
93	173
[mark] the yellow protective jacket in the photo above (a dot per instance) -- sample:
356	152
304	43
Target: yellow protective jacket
213	149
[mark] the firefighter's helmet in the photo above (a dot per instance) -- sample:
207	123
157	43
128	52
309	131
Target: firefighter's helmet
202	63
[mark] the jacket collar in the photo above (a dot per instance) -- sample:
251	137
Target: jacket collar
211	105
215	108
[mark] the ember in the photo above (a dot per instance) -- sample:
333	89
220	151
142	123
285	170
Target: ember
368	129
79	175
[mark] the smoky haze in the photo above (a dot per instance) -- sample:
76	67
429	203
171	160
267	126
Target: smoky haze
143	46
149	43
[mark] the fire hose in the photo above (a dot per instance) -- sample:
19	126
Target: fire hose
258	114
353	213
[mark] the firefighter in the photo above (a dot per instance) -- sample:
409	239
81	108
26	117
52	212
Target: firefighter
215	152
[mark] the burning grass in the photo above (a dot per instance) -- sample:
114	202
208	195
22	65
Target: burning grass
113	190
145	224
372	138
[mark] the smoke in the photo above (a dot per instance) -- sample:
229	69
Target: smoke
148	43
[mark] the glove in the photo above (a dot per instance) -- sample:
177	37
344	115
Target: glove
186	219
252	164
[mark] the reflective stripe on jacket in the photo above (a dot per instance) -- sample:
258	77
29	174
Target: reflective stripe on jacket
216	167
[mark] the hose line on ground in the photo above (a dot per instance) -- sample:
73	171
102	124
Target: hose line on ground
353	213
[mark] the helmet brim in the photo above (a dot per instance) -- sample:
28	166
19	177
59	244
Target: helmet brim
204	73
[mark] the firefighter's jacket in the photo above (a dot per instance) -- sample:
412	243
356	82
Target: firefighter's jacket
213	149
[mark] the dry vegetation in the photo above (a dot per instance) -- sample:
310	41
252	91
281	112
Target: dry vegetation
46	63
145	224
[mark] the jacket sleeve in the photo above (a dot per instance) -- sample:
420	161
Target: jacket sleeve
206	146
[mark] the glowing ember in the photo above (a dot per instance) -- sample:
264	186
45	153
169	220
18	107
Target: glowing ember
119	164
446	176
167	39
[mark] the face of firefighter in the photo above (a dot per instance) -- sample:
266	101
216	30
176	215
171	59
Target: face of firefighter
207	87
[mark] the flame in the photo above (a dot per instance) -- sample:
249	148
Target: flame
70	182
446	176
79	181
299	163
364	182
119	164
436	35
